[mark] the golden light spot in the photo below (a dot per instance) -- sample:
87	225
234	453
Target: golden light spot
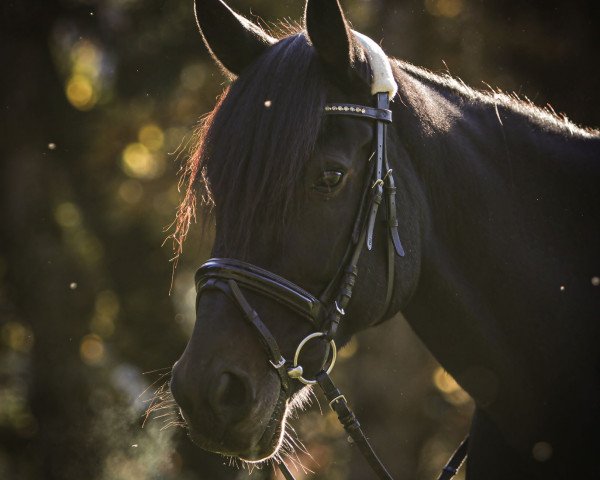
107	303
80	92
457	398
131	191
444	8
86	59
595	281
349	349
17	337
73	285
452	391
138	162
193	76
444	382
102	325
67	215
152	137
91	349
106	311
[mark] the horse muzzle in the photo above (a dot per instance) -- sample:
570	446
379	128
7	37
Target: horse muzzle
227	414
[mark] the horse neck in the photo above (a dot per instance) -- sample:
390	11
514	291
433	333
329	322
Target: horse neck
503	188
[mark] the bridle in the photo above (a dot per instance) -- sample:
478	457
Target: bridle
326	311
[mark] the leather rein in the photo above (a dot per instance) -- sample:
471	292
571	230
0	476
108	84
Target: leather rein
326	311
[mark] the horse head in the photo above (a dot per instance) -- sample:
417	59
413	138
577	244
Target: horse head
294	182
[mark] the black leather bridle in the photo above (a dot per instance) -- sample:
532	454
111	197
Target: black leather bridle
326	311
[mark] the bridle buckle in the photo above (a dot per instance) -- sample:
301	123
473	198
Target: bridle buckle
279	364
339	397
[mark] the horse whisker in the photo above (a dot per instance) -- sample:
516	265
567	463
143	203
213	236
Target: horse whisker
169	414
161	376
157	370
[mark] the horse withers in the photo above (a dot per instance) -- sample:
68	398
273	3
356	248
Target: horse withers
497	206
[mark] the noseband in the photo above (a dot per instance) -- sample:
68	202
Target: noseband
326	311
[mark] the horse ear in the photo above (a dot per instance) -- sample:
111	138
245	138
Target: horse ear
330	34
233	41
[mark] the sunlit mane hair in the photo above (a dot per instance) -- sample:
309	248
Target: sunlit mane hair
253	147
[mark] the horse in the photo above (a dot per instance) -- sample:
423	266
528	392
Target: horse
495	205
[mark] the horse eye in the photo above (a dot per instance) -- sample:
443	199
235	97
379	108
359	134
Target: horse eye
329	180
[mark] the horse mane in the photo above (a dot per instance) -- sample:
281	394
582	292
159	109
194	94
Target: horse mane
251	149
496	97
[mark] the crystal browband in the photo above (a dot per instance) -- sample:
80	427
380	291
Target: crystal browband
381	114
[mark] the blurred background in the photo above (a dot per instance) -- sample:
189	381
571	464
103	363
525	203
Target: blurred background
100	99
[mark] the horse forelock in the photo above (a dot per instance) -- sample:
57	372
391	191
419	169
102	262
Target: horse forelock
253	147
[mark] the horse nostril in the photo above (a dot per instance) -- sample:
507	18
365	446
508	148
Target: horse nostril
231	396
230	390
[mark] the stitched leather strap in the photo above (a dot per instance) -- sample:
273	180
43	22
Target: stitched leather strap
264	282
392	214
285	471
456	460
233	292
347	418
276	358
364	225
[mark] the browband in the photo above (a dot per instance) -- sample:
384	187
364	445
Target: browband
379	114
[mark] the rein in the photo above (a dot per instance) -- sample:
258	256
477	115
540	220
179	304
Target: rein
326	311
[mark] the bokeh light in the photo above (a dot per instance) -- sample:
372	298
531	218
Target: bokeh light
138	162
67	215
86	68
106	310
81	93
91	350
193	76
542	451
152	137
14	411
131	191
451	390
444	8
17	336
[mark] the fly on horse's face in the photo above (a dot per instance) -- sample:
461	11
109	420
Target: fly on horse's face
270	143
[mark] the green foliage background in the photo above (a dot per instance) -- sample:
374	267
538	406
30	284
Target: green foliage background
99	103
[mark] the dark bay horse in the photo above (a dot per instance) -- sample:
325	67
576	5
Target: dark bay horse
499	208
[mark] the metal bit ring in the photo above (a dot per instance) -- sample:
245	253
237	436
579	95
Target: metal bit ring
296	370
